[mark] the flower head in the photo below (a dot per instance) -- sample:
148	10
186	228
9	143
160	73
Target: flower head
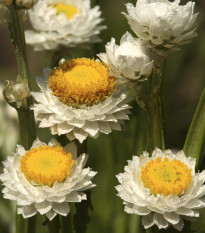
46	178
129	61
67	23
162	24
18	91
79	99
163	188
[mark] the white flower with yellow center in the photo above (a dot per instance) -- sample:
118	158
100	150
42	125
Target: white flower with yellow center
46	178
163	188
63	22
162	24
79	99
129	61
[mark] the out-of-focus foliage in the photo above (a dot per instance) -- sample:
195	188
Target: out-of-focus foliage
184	82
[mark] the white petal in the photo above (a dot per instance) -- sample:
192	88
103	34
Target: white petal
148	220
61	208
172	217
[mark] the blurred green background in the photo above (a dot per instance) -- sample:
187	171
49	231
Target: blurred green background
184	82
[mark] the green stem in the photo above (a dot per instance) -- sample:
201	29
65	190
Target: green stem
66	224
18	39
26	118
54	225
154	115
195	141
81	217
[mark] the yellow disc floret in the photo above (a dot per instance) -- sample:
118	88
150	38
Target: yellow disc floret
69	11
81	81
166	177
46	165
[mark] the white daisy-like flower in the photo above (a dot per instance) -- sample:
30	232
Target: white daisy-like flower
46	178
79	99
63	22
129	61
163	188
162	24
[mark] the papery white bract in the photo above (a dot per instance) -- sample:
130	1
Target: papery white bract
32	198
84	120
129	61
162	24
162	210
66	23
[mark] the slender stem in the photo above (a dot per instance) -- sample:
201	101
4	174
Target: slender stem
54	225
154	116
18	39
26	118
66	224
81	218
195	141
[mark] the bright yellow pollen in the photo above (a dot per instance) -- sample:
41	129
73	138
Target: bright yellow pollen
46	165
81	81
69	11
166	177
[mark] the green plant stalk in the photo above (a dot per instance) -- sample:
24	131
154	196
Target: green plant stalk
81	217
26	117
66	224
54	225
194	145
154	114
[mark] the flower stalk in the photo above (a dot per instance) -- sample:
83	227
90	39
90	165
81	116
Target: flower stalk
25	115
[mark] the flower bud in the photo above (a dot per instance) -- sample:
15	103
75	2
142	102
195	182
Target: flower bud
129	61
18	91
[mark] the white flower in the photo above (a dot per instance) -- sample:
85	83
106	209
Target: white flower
163	188
81	102
130	61
162	24
63	22
46	178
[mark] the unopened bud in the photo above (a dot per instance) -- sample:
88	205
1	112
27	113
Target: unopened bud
18	91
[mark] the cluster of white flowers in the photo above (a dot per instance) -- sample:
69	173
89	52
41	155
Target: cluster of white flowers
160	26
84	97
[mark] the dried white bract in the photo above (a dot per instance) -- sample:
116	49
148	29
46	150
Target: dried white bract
129	61
162	24
18	91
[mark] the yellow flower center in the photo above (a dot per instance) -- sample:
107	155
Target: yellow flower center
69	11
81	81
166	177
46	165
